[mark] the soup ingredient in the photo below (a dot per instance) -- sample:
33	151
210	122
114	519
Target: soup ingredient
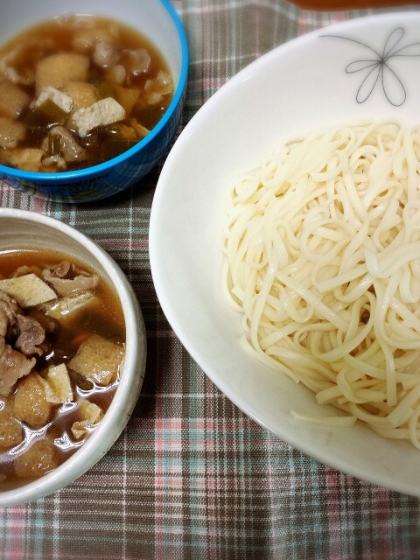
61	348
11	133
40	458
28	290
91	414
103	112
322	248
13	99
76	91
11	431
97	359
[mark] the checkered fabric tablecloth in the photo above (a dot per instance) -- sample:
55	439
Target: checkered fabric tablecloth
192	477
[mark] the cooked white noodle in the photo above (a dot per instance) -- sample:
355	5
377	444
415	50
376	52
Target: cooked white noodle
322	258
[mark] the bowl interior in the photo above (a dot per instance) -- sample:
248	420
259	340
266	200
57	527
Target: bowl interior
295	89
19	229
158	21
152	18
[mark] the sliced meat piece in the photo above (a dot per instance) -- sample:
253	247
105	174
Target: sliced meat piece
54	161
105	54
9	310
31	337
66	279
62	270
84	41
136	61
13	366
65	144
78	284
4	321
159	87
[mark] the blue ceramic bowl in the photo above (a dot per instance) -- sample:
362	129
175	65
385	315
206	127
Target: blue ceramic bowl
157	20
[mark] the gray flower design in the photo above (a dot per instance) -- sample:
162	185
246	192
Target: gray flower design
377	69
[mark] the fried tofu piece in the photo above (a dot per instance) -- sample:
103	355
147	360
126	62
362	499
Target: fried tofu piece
65	307
57	385
28	290
116	74
59	69
127	97
27	159
125	132
98	360
40	458
11	432
30	402
82	93
140	130
11	133
103	112
62	100
90	415
13	100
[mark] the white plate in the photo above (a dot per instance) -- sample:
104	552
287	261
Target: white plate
312	82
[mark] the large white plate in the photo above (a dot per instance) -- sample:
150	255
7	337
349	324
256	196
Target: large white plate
362	68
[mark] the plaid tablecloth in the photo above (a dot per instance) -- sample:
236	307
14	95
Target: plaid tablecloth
192	477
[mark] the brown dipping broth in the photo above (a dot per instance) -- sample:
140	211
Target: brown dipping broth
56	36
104	317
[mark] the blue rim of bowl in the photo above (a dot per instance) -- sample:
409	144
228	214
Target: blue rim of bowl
36	176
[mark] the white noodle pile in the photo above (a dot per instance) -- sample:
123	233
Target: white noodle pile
322	257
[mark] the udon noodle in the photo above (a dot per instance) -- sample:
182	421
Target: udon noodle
322	258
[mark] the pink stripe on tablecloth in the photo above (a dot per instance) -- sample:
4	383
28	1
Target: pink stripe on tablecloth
39	204
383	524
16	526
332	483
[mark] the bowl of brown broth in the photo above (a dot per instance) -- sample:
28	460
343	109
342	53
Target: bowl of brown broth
90	99
78	364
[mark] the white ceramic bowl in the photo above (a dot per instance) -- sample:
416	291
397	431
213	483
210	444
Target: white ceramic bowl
159	22
20	228
299	87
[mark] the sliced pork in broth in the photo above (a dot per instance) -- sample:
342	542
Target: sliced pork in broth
62	341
